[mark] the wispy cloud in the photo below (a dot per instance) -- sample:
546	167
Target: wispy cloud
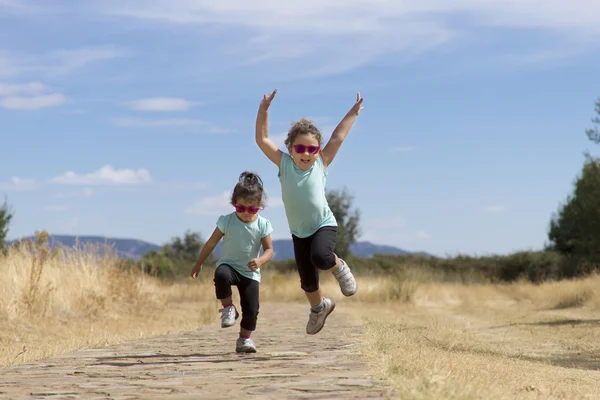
69	226
160	104
220	204
14	89
181	186
206	127
322	38
152	123
495	209
67	61
106	175
28	96
279	140
394	231
18	184
402	149
32	102
85	192
56	208
57	62
211	205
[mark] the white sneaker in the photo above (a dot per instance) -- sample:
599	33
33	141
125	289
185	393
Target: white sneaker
346	280
316	321
228	316
245	345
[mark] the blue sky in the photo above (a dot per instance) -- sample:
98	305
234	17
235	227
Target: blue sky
134	118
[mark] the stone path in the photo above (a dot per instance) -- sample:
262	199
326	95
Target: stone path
202	364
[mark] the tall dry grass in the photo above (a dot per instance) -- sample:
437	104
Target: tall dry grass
54	302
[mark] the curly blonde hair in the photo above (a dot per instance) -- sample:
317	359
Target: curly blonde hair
303	126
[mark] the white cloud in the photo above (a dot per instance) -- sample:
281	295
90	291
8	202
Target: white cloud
221	204
67	61
85	192
279	140
69	226
18	184
57	62
393	231
212	205
207	127
33	102
402	149
185	186
274	202
30	88
106	175
146	123
160	104
421	234
28	96
321	38
219	130
56	208
495	209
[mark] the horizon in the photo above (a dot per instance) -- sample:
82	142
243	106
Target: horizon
471	136
162	243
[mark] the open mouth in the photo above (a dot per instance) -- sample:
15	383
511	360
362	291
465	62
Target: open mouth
304	162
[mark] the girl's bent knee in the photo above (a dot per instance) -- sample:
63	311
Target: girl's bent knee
323	260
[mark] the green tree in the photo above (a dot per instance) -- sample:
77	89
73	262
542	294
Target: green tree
593	134
340	202
6	215
575	230
176	258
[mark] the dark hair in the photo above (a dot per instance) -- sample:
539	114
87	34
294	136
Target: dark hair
303	126
249	188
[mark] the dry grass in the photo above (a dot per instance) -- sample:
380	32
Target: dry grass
52	303
516	341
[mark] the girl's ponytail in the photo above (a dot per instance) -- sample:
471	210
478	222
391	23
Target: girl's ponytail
249	187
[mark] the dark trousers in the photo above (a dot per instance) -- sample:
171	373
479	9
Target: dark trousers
225	277
314	253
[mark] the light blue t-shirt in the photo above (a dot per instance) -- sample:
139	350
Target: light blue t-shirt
303	195
242	242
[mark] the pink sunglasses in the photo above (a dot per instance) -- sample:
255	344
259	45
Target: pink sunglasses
300	149
243	209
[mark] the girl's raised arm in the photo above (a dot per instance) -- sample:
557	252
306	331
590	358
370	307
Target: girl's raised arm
262	130
340	132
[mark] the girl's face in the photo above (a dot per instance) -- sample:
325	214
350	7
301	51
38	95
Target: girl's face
246	211
304	151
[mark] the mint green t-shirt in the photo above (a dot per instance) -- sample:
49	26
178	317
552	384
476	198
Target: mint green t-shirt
242	242
303	195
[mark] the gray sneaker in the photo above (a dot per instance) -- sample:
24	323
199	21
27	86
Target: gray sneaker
245	345
346	279
316	321
228	316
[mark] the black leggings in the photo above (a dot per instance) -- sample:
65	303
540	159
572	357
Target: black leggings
225	277
314	253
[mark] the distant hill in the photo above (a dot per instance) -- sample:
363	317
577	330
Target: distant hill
126	248
135	249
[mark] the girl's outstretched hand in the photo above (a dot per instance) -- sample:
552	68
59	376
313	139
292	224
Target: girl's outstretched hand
356	108
266	101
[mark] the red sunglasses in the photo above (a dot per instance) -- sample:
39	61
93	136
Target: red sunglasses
243	209
300	149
